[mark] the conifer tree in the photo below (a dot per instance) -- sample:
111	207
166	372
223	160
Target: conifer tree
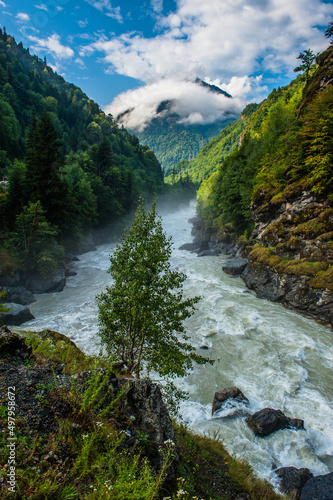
43	162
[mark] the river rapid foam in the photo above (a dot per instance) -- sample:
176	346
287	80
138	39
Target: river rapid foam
277	358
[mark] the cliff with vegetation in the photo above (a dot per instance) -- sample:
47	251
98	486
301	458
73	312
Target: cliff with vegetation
274	194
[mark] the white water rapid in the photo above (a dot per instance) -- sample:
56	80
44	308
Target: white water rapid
275	356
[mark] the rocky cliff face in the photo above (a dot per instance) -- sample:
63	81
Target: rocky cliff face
292	258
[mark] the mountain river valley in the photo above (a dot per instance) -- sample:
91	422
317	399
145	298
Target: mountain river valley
277	358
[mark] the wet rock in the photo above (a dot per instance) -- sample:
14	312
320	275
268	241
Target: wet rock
318	488
16	315
19	295
228	394
208	253
53	282
292	480
190	247
235	267
292	291
268	420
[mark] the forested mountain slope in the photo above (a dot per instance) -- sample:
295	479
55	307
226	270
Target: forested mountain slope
276	193
216	151
69	166
173	137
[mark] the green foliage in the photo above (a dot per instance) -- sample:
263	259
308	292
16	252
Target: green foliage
259	164
172	141
141	313
211	156
3	309
58	148
35	240
307	58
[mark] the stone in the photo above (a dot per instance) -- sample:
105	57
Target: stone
292	480
318	488
227	394
16	315
208	253
268	420
235	267
53	282
190	247
19	295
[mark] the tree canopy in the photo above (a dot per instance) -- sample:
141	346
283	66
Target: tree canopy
141	313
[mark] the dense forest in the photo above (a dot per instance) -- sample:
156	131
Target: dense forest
215	152
173	142
284	162
66	166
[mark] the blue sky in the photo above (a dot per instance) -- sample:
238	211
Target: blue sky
137	53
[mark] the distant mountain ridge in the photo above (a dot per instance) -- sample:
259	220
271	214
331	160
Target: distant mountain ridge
171	139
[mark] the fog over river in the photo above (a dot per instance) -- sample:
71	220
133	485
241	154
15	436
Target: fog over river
275	356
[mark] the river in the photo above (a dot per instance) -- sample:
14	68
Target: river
275	356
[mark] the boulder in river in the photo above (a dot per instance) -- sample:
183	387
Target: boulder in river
292	480
235	267
268	420
19	295
54	282
228	394
318	488
16	315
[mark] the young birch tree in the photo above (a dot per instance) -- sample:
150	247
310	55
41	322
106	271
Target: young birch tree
141	313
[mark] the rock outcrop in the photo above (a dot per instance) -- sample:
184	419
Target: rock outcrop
235	267
318	488
268	420
16	315
293	480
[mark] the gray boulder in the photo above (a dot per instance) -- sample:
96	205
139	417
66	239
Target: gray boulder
16	315
19	295
318	488
228	394
268	420
53	282
292	480
235	267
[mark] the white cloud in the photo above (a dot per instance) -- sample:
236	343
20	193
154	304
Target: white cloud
22	17
157	5
83	24
52	45
220	38
105	6
80	63
2	3
232	41
41	7
193	103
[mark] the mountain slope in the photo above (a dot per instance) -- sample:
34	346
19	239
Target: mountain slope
178	127
70	168
216	151
276	191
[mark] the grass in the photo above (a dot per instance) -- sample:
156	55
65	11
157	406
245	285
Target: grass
87	456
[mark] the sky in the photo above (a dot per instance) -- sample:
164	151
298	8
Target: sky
133	54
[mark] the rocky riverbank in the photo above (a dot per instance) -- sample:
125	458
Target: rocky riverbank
83	431
289	256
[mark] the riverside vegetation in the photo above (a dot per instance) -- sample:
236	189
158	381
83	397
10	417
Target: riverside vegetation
274	193
77	440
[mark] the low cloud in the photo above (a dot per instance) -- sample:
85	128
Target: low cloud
193	103
52	45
